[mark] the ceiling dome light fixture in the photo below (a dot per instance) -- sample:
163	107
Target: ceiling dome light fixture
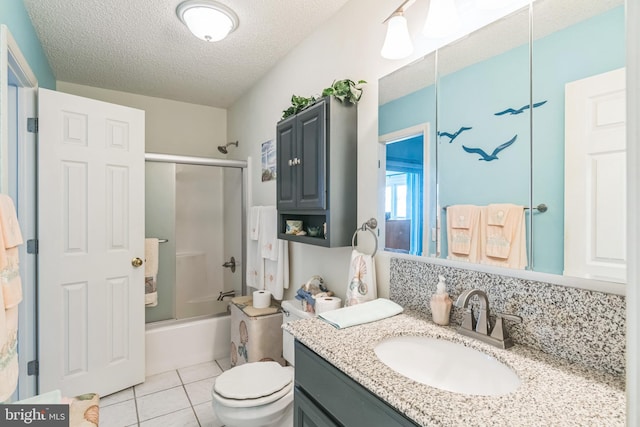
208	20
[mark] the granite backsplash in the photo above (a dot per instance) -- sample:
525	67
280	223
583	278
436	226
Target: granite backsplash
582	326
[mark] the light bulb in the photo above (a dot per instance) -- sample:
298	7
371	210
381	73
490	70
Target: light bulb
397	43
442	20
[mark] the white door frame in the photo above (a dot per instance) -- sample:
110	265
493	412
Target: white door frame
408	132
17	178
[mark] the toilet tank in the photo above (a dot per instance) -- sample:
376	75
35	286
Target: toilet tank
292	310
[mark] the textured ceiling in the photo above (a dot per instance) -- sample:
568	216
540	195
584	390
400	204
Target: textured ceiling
140	46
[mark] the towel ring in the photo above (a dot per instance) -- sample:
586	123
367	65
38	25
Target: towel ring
367	226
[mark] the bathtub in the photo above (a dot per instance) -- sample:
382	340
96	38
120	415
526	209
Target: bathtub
175	344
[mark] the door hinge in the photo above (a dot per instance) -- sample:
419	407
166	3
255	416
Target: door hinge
33	368
32	246
32	124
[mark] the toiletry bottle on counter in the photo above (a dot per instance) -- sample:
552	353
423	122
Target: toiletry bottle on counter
441	304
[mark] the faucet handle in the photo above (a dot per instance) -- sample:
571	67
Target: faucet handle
468	321
498	331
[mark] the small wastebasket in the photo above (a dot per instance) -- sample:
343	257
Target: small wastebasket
256	334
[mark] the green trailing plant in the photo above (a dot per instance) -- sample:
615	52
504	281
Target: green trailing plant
298	103
345	90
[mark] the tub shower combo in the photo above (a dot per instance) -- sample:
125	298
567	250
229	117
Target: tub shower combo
196	207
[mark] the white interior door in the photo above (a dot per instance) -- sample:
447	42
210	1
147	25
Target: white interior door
91	226
595	178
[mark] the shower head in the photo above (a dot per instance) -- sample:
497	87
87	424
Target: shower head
223	148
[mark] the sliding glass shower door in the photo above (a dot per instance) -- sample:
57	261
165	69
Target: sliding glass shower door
198	210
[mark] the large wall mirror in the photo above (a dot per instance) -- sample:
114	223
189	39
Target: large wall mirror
524	119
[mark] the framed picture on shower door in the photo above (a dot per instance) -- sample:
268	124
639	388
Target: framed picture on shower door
268	161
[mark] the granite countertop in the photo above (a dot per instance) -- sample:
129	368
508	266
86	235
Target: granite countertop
553	392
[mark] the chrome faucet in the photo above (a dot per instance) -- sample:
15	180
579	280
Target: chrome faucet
495	335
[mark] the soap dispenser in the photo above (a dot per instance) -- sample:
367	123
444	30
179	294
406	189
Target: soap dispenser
441	304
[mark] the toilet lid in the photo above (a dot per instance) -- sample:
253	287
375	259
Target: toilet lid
253	380
252	403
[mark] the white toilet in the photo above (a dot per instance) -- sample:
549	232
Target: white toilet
260	394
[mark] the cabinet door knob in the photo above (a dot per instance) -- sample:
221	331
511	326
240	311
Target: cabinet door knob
291	162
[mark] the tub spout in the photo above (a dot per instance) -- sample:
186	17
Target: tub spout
228	294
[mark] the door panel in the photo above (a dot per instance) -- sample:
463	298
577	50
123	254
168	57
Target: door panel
311	144
286	152
91	224
595	178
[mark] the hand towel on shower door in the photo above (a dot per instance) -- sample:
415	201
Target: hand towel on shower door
151	255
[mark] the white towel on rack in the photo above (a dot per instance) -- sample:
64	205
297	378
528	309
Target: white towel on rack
255	264
276	273
362	279
268	233
254	222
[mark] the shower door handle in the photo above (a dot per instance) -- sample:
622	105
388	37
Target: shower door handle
136	262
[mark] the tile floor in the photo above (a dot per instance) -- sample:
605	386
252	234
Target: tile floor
180	398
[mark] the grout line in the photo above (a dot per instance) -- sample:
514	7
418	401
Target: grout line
135	404
189	399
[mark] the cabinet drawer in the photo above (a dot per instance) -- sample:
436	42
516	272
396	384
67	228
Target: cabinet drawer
339	396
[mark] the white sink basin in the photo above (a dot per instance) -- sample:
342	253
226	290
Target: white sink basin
447	365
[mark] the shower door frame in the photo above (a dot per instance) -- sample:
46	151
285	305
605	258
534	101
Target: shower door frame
243	165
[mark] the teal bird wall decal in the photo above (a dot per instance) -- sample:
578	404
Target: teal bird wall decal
494	154
454	135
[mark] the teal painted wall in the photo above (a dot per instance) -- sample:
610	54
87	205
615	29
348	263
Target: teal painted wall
14	15
470	97
586	49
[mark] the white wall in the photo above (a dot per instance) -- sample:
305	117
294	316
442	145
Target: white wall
347	46
172	127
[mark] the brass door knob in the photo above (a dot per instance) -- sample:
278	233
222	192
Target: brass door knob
136	262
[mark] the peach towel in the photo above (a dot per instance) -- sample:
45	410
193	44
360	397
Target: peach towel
463	232
11	295
503	240
8	351
10	278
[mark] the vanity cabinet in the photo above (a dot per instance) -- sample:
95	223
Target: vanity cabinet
317	172
326	397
